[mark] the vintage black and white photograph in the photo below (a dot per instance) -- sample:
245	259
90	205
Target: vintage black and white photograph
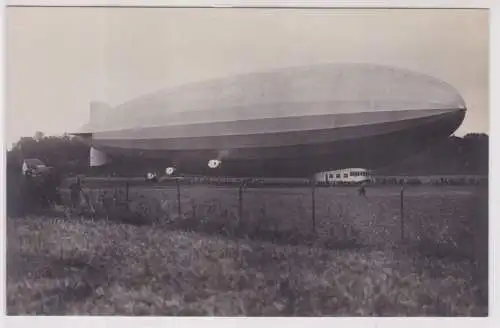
255	162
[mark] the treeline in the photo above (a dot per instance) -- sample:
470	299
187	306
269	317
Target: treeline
66	153
454	156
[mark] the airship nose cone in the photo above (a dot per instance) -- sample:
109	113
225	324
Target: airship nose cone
452	120
460	115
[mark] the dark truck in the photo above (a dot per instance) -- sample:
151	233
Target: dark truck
35	168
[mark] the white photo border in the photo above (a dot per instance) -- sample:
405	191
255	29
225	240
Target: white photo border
494	226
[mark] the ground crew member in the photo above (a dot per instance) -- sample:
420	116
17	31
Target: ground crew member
75	190
362	191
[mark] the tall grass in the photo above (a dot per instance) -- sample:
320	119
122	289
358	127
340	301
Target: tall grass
83	267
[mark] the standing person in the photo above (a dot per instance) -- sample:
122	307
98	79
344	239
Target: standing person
362	191
79	196
75	190
28	192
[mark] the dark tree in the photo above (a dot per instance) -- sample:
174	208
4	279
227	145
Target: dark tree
66	153
454	155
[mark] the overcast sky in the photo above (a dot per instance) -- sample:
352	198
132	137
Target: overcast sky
61	59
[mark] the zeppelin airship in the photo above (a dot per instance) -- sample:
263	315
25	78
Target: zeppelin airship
288	122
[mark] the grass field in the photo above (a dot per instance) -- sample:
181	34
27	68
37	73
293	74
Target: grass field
270	262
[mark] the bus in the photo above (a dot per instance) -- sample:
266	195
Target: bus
344	176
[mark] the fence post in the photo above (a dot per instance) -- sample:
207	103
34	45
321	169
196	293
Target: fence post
240	200
178	196
402	214
126	190
313	194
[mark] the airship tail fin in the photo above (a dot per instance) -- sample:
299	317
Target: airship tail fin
98	112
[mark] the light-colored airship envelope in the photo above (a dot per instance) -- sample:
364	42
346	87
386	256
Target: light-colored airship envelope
315	112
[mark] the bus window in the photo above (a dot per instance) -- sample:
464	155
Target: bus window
338	175
346	175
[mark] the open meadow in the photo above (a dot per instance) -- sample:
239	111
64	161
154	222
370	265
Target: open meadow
354	260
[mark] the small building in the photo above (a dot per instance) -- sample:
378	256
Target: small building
349	175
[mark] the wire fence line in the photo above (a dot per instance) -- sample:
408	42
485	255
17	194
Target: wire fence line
443	217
